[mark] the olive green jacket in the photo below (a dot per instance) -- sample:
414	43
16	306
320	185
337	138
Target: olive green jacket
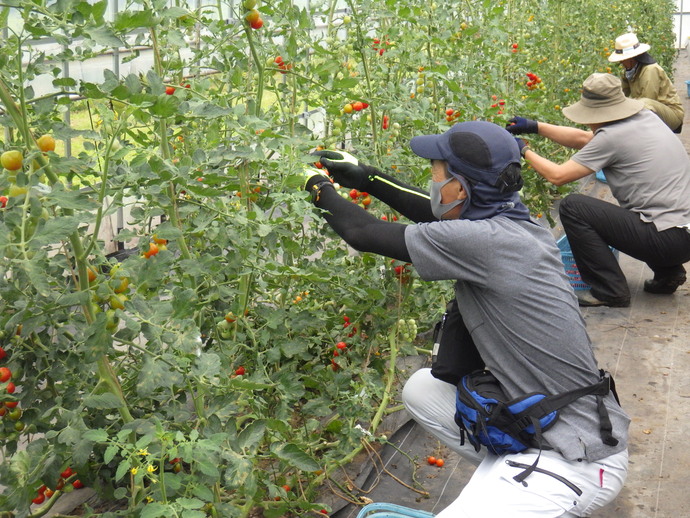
651	85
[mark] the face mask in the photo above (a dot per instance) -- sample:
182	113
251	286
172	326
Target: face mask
629	74
437	208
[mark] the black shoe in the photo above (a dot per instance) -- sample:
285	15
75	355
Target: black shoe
664	285
586	300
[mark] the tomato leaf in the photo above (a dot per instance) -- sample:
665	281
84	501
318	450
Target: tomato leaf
155	510
99	436
239	470
190	503
110	453
104	401
295	456
251	435
125	21
55	230
122	469
104	36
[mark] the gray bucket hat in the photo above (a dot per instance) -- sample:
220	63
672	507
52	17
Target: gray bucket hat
602	100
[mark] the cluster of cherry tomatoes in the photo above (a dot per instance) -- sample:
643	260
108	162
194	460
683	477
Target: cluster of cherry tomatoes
300	297
119	284
452	115
177	463
359	197
356	106
421	83
341	347
155	246
10	409
402	272
380	46
252	17
498	104
533	81
434	461
13	162
346	323
284	67
45	493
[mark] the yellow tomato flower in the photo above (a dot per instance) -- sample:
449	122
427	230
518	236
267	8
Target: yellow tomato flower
151	468
134	471
143	452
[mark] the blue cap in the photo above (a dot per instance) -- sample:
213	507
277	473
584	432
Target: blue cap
478	150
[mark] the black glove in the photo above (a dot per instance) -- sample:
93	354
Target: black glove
314	180
345	169
522	145
520	125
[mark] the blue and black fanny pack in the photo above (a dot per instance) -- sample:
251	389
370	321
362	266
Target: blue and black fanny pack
486	416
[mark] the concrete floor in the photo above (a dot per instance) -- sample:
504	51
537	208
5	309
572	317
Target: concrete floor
647	349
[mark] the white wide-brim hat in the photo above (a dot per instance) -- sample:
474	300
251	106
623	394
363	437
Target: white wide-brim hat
602	100
627	46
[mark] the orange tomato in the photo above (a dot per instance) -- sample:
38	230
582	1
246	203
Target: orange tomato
153	250
46	143
252	16
12	160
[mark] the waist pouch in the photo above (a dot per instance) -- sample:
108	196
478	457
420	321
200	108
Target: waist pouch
486	416
454	353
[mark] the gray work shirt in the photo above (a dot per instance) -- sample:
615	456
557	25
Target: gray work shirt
524	318
646	167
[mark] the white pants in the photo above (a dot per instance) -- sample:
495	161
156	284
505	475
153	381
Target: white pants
492	492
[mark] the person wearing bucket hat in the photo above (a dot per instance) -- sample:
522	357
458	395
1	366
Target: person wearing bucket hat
648	171
644	79
514	313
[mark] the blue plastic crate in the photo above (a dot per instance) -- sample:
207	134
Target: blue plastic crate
570	267
600	176
383	510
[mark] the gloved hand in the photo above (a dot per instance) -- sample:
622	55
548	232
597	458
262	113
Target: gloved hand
314	179
522	145
520	125
344	168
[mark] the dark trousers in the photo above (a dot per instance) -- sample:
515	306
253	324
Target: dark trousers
592	225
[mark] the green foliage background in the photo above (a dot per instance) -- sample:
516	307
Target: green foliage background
117	388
